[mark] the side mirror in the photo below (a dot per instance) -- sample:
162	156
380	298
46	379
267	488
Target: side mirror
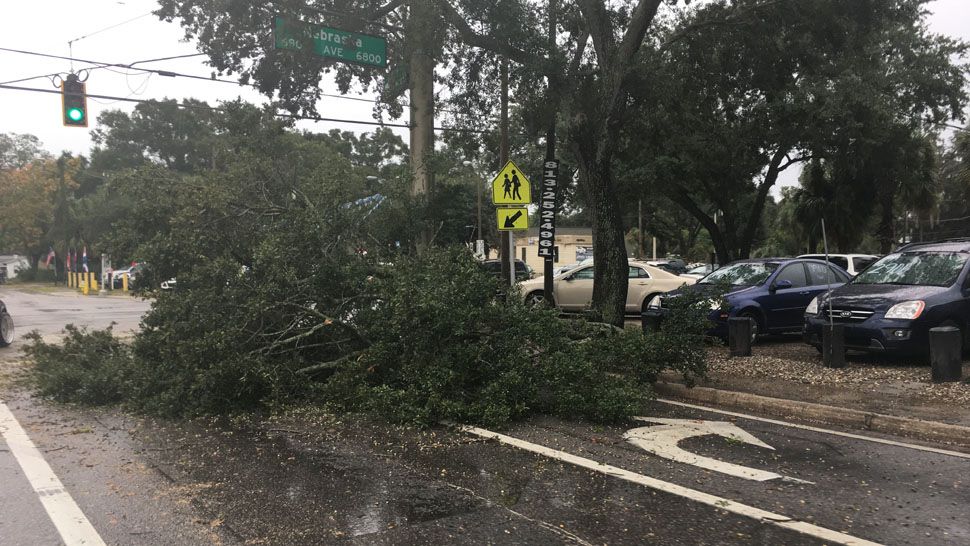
780	285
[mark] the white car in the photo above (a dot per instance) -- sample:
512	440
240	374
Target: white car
698	272
853	264
573	290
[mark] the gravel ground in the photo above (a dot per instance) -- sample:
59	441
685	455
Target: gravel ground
792	361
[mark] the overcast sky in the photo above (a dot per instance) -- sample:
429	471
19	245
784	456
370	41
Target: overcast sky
47	25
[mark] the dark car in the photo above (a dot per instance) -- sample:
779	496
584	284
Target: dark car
6	326
892	305
522	271
773	292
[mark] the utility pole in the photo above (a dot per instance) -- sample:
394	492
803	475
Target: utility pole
507	248
550	171
640	248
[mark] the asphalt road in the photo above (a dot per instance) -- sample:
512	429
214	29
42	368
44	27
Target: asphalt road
315	478
49	312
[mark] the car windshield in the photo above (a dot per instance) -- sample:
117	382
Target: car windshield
915	268
741	274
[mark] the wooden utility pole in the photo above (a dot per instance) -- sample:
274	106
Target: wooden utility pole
507	250
549	176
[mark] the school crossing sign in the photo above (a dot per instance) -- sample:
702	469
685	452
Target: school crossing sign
511	187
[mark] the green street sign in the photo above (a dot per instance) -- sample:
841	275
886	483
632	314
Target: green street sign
332	43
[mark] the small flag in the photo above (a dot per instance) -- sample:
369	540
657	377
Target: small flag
84	258
67	262
50	256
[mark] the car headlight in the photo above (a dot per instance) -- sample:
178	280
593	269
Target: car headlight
654	302
908	310
812	308
715	303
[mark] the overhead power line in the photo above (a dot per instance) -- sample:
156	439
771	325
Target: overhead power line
217	109
116	25
167	73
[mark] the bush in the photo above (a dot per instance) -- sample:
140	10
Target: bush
88	368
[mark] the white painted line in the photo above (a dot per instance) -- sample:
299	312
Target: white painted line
663	438
828	535
817	429
73	526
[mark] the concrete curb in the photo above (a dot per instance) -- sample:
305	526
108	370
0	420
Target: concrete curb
888	424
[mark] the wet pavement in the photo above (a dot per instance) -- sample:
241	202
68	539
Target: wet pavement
49	312
309	477
361	482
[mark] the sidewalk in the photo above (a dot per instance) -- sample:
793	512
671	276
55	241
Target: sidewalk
785	378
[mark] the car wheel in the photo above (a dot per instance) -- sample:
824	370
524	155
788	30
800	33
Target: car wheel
6	330
754	324
536	299
646	302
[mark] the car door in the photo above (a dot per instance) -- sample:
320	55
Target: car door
639	285
575	291
785	304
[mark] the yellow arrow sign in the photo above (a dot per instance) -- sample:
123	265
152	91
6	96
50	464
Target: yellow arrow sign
511	187
513	219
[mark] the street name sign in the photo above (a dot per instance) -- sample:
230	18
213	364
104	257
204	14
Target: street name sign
511	187
332	43
513	219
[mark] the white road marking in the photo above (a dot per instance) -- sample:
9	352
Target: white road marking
73	526
727	505
817	429
662	440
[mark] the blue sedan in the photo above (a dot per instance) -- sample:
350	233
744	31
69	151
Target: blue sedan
773	292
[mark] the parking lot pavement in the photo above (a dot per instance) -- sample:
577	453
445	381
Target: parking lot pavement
49	312
889	493
322	478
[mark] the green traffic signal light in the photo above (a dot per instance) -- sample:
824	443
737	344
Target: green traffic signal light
74	100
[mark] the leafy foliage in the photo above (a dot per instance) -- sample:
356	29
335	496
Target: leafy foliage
443	347
90	367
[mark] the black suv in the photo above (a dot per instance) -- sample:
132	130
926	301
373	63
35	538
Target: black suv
892	305
522	271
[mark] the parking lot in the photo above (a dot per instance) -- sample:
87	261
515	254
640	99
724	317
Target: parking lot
47	309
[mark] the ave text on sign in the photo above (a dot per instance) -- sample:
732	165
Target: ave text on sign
332	43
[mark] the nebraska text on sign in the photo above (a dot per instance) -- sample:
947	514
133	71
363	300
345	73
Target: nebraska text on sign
332	43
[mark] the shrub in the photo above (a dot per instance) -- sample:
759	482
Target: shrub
90	367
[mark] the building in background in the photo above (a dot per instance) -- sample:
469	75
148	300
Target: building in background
11	264
574	244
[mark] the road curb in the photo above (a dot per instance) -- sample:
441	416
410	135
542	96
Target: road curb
877	422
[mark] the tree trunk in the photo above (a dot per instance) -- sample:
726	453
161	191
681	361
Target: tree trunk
421	72
758	208
886	230
609	251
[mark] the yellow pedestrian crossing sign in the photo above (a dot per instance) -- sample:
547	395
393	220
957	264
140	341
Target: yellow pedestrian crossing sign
513	219
511	187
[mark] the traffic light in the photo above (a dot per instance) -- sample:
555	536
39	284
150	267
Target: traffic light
75	111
